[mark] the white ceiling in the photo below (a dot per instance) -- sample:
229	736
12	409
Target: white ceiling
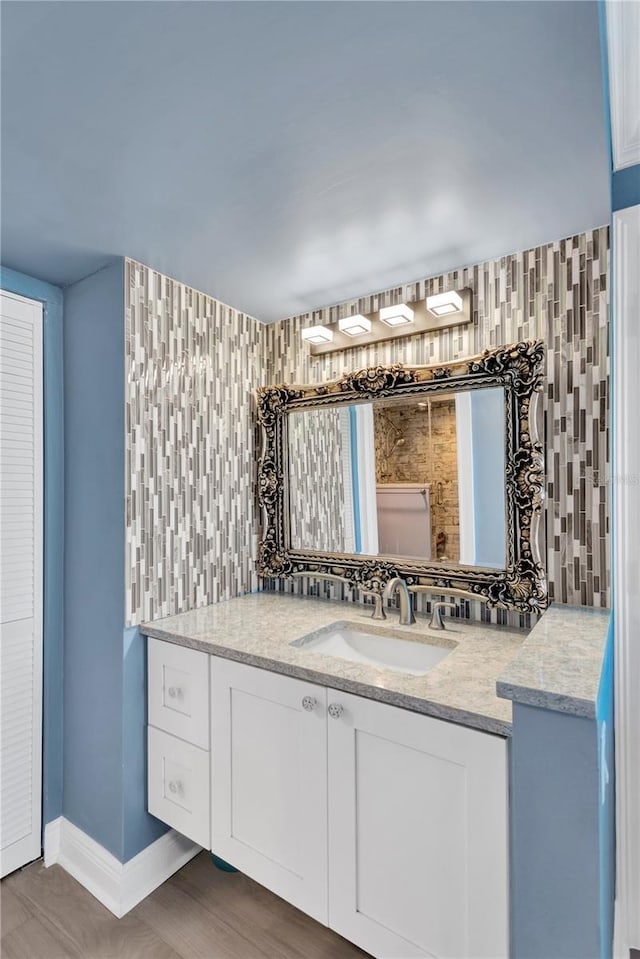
282	156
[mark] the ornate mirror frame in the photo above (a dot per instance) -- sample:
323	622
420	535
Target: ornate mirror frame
519	370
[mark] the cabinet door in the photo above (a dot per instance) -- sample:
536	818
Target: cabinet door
178	691
269	781
417	833
178	785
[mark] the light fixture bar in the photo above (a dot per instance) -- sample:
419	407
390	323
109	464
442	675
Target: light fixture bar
454	308
396	315
355	325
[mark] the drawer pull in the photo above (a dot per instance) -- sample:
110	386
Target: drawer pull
175	786
309	703
336	710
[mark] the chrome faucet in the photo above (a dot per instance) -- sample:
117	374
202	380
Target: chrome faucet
406	609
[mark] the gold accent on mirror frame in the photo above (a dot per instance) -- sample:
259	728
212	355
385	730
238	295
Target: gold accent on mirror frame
519	369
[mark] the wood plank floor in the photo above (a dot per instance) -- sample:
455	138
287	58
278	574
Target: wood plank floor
200	913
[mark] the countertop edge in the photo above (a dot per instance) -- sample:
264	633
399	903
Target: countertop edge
572	622
543	699
414	704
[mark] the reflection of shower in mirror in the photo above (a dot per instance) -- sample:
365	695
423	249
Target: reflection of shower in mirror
392	438
356	473
404	520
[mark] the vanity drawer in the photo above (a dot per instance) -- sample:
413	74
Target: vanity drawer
179	785
178	689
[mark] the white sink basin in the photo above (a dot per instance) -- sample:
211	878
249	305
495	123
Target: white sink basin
362	645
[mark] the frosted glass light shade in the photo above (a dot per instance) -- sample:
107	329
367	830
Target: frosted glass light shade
355	325
396	315
441	304
317	335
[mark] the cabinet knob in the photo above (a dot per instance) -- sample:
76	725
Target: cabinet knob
175	692
336	710
309	703
175	786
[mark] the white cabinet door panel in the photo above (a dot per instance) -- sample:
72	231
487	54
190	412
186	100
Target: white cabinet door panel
178	691
178	785
269	786
417	834
21	457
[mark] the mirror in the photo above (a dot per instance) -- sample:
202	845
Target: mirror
431	473
416	477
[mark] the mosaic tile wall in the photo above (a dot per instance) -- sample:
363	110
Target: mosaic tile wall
559	293
320	502
192	365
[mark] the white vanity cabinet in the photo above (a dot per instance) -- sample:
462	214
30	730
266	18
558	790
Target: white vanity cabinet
269	781
417	833
387	825
178	759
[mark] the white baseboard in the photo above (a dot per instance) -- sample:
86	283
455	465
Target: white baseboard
52	841
118	886
620	948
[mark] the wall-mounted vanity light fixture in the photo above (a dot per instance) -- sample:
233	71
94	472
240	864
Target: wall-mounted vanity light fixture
318	335
437	312
355	325
398	315
444	304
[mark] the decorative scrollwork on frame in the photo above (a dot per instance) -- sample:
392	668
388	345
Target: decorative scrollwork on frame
519	370
522	363
272	560
371	576
270	481
273	401
376	380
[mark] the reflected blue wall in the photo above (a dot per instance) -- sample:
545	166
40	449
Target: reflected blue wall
487	424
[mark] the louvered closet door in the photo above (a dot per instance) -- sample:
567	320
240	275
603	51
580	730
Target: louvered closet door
20	581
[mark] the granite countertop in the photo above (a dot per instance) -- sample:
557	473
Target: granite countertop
560	663
258	628
557	666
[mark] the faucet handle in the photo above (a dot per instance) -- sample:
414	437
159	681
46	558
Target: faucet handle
378	609
436	621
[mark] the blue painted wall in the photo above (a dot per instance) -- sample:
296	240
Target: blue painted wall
52	300
625	187
105	664
555	836
94	555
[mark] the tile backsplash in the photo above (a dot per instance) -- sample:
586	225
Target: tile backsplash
193	363
558	293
